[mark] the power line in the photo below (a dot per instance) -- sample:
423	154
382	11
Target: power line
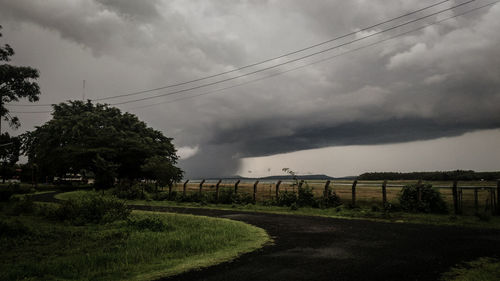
260	62
262	78
317	61
296	59
278	57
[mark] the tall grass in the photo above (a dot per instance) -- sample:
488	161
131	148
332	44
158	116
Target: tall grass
482	269
52	251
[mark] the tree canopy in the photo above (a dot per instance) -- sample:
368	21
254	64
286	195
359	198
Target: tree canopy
85	137
16	82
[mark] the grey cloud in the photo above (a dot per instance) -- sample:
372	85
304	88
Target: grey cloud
442	81
142	10
223	162
351	133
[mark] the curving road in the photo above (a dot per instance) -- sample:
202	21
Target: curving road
316	248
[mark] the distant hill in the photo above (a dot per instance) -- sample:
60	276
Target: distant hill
285	177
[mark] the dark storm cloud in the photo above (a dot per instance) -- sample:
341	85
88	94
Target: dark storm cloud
443	80
353	133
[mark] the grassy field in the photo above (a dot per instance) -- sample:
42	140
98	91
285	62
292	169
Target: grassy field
34	248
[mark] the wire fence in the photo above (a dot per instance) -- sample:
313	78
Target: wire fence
462	197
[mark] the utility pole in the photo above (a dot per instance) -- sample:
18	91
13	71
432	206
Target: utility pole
83	91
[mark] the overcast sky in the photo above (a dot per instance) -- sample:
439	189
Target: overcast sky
432	92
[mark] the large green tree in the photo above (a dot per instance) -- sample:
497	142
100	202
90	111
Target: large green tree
97	138
16	82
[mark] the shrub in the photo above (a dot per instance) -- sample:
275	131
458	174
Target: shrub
149	187
331	200
286	198
161	196
202	198
91	208
148	223
431	200
305	197
484	216
242	198
13	229
24	205
135	191
6	192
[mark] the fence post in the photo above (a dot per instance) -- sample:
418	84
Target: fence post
184	188
492	200
201	185
455	197
498	197
278	190
419	191
236	187
325	193
353	203
384	194
169	191
495	203
255	191
460	197
217	191
476	200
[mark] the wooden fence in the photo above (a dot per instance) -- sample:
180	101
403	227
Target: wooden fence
464	196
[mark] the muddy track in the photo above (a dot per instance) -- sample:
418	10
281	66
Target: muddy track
316	248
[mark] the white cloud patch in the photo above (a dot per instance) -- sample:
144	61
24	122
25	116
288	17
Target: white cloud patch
186	152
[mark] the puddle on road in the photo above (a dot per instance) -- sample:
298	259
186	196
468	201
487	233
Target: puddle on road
325	252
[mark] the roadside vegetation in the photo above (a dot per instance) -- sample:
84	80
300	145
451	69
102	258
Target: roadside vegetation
483	269
392	212
94	237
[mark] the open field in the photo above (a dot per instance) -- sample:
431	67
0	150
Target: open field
34	248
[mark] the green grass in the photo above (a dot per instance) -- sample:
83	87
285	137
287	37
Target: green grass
345	213
364	213
34	248
483	269
71	194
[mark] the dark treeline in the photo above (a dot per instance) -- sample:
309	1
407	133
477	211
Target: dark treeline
459	175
